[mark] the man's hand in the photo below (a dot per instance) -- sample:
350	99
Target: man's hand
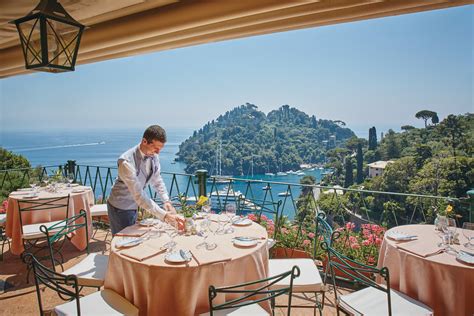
169	208
174	220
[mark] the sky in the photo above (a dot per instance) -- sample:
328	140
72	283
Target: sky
376	72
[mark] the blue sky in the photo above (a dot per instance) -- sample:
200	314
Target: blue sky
376	72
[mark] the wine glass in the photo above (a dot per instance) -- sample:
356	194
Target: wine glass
468	232
206	208
33	183
230	210
70	179
449	228
204	232
172	232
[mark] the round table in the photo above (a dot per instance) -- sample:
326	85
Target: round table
157	287
439	281
80	198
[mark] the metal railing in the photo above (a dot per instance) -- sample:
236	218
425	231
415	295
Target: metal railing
293	200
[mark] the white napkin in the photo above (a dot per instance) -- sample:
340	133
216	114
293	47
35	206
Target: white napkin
400	236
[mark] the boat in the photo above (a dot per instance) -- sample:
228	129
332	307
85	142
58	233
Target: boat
226	196
286	193
267	187
219	179
269	174
281	173
300	173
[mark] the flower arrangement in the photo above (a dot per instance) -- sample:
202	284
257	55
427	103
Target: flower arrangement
4	207
448	211
363	245
188	210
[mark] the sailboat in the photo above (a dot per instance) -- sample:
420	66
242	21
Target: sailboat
218	177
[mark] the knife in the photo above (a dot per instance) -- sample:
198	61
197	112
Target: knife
184	255
467	252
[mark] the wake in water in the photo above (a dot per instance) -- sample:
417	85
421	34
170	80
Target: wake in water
59	146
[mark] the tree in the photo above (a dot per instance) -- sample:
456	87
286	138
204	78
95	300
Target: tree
423	152
435	119
452	128
360	164
407	128
392	149
426	115
349	177
372	138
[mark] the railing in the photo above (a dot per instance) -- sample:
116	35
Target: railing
293	200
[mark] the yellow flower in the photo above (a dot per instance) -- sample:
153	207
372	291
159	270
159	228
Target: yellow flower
449	209
202	199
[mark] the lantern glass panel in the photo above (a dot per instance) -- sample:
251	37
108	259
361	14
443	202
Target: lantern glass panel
30	41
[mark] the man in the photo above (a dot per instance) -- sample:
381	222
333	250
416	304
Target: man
138	167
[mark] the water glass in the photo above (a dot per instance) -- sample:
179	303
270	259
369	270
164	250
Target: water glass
203	232
448	226
468	232
230	210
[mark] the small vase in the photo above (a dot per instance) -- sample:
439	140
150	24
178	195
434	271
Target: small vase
438	220
189	227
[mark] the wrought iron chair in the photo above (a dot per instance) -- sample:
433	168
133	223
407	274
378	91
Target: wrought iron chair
98	211
105	302
3	238
310	280
247	303
91	270
31	233
374	299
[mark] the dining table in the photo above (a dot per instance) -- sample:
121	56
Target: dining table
80	198
151	275
421	267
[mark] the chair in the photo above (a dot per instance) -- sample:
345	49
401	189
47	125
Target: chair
91	270
3	238
97	212
375	299
105	302
310	280
31	233
247	303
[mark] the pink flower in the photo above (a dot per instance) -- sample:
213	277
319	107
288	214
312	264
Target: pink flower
366	242
263	218
303	232
284	230
371	260
311	235
252	217
350	226
378	241
355	246
306	242
352	239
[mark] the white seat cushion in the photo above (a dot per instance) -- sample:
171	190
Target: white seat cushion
309	279
105	302
91	270
32	231
371	301
3	219
99	210
270	243
249	310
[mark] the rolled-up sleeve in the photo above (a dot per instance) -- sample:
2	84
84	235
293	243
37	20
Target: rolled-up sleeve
158	184
127	174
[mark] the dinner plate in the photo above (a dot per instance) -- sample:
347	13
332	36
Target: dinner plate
30	196
25	189
78	190
399	236
17	193
128	242
148	222
74	185
244	242
242	222
175	257
465	257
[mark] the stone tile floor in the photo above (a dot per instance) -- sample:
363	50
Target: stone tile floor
19	298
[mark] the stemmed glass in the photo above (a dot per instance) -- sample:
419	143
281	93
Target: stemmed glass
206	208
70	179
468	232
204	232
33	183
448	226
172	232
230	212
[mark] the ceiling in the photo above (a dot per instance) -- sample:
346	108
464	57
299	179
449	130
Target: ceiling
120	28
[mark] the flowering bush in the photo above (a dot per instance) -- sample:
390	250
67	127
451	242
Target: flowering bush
3	208
266	222
363	245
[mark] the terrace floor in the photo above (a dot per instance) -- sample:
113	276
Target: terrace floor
19	298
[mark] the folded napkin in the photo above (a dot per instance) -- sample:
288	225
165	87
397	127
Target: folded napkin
400	236
142	252
203	257
133	231
421	248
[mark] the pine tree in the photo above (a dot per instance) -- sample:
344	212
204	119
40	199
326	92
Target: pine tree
349	177
360	164
372	138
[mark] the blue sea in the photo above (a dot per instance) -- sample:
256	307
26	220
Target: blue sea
103	147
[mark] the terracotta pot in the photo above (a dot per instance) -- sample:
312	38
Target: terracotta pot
281	252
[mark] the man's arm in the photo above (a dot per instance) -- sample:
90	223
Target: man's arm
127	174
160	187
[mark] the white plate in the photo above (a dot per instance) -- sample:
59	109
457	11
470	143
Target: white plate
30	196
174	257
25	189
242	221
465	257
128	242
74	184
78	190
148	222
400	236
17	193
245	242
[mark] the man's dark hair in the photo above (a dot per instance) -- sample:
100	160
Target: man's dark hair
155	132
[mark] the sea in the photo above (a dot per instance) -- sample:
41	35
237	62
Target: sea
102	147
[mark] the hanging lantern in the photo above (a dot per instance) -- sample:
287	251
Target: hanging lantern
49	37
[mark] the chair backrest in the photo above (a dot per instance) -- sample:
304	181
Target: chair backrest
353	270
55	204
253	292
65	286
323	232
271	209
63	228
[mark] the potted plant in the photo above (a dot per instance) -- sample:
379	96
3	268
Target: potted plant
189	210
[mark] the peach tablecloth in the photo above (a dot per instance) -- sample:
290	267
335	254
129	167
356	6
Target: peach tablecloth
78	201
439	281
159	288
